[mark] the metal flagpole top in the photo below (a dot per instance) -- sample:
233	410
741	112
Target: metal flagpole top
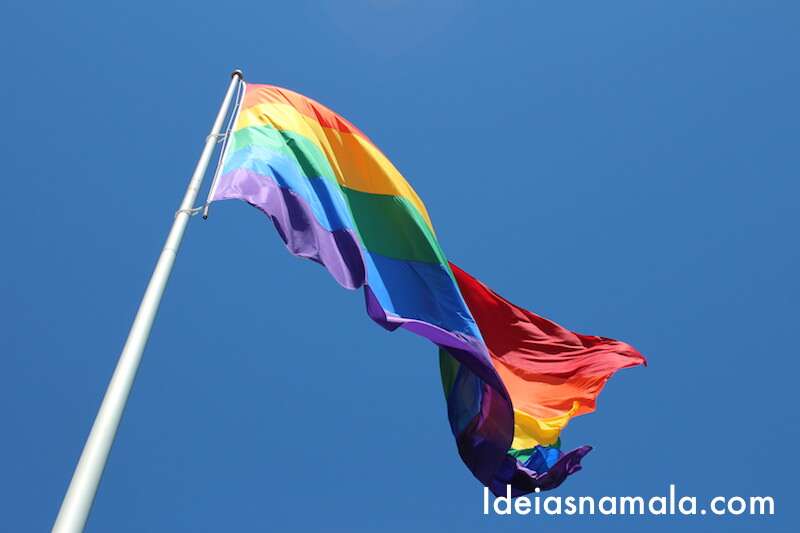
237	77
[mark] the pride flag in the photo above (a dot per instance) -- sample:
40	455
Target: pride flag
512	380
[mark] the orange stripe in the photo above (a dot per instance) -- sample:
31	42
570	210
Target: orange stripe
550	397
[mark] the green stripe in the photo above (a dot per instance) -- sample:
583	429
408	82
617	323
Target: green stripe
524	455
388	225
298	147
448	367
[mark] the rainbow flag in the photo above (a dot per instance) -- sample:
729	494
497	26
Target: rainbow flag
512	380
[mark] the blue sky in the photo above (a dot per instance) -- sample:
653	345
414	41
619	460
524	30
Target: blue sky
629	169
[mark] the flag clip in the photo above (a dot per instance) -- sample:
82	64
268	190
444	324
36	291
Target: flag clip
191	212
218	136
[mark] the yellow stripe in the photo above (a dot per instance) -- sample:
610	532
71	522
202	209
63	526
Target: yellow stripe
530	431
358	165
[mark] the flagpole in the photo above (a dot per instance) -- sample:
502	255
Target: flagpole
82	489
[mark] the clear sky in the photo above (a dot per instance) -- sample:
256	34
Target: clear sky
629	169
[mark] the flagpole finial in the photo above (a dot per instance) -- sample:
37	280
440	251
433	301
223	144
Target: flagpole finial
239	73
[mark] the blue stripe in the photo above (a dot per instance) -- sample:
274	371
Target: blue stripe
326	199
419	291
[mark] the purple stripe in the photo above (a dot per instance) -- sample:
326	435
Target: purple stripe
338	251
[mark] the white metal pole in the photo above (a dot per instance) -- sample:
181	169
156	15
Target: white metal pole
83	487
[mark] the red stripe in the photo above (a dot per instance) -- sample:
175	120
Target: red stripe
269	94
535	355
